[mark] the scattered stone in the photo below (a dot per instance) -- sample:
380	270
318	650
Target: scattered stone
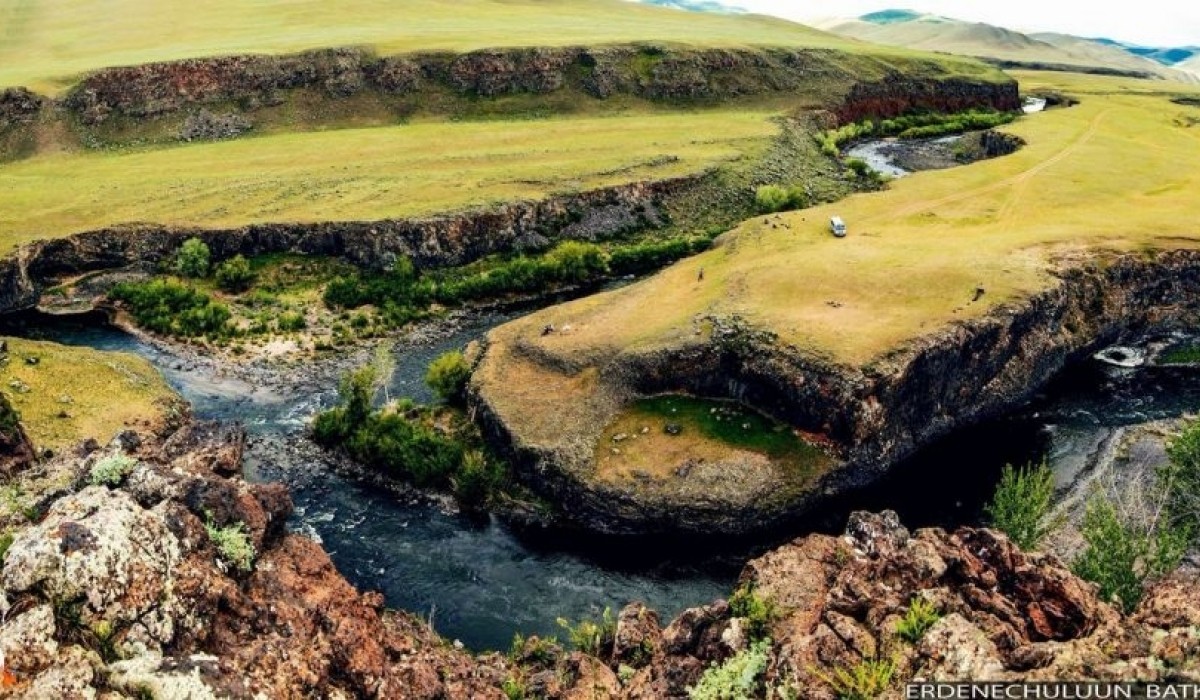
673	429
206	126
31	360
620	437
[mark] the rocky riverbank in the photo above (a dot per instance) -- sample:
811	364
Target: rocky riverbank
130	585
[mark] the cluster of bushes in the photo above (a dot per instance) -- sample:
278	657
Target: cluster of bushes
911	126
403	294
1126	546
769	199
408	440
172	308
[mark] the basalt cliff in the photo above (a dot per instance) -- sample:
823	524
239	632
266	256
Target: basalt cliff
871	416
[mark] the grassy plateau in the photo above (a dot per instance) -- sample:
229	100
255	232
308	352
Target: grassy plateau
70	393
361	174
1114	174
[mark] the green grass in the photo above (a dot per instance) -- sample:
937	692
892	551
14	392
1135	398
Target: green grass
75	393
46	45
1187	354
356	174
706	428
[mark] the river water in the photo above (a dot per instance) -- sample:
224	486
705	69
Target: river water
480	582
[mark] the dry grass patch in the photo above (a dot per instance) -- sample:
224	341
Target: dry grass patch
69	394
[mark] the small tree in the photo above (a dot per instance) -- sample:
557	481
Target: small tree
193	258
1021	505
235	275
1180	479
448	375
357	392
1121	556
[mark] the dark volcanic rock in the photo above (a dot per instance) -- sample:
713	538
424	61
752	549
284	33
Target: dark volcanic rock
18	106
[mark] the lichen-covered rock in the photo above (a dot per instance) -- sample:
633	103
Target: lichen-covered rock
100	550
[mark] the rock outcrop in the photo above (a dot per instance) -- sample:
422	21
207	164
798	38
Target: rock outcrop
873	416
836	602
646	72
453	239
135	589
18	106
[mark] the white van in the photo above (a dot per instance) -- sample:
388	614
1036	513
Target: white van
838	227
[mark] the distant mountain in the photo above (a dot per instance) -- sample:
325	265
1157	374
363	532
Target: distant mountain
1168	56
696	6
1192	65
890	16
1049	50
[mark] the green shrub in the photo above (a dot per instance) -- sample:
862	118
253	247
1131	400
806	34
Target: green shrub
235	274
233	544
476	479
514	688
770	198
6	540
1120	556
171	308
193	259
589	636
111	470
920	616
865	680
638	258
740	677
291	322
1020	507
1179	478
758	611
393	443
447	375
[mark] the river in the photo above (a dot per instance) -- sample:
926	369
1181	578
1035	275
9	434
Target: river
481	582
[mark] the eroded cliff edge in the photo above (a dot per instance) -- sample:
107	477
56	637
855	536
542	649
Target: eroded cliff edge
873	415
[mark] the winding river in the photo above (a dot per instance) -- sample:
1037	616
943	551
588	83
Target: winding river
480	582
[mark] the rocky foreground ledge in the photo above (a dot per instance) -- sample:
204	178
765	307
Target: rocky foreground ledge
120	592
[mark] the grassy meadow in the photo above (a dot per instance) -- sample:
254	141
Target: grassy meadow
75	393
48	45
363	174
1115	173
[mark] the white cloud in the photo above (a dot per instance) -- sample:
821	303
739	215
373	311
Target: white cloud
1152	22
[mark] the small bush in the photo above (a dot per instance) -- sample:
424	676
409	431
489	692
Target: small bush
865	680
738	678
1180	479
859	167
920	616
193	259
514	688
476	479
1021	505
233	543
1120	557
6	540
589	636
758	611
448	375
171	308
770	198
291	322
111	470
234	275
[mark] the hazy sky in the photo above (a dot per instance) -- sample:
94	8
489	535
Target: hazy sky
1154	22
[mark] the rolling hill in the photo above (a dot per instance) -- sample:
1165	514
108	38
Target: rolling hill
45	45
934	33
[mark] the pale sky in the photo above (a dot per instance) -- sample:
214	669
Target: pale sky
1151	22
